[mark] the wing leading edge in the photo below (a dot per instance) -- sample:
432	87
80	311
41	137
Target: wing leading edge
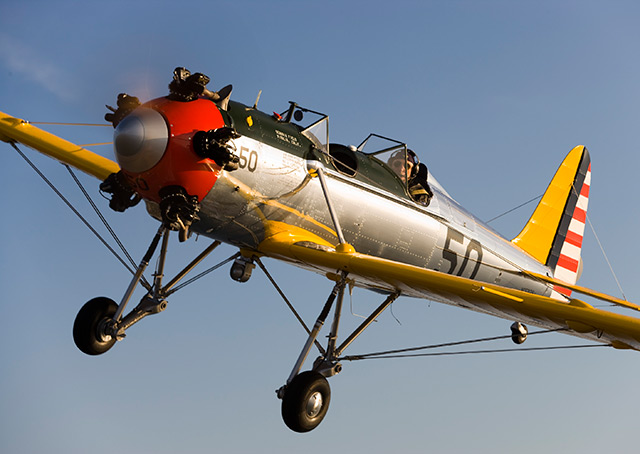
577	317
13	129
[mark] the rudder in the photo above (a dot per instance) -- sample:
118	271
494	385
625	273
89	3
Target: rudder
553	235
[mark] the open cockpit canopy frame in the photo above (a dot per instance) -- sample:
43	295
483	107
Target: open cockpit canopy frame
371	162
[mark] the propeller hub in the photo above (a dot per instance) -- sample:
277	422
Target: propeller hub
140	140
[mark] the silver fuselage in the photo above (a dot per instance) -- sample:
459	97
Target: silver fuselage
275	186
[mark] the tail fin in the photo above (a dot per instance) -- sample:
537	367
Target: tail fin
553	235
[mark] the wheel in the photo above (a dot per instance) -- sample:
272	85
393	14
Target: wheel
306	401
87	323
519	333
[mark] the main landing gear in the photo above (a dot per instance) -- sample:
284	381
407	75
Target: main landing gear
101	322
306	396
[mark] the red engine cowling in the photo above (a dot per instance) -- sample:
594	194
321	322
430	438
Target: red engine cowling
154	147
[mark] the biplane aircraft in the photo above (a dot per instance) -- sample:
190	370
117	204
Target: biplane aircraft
368	216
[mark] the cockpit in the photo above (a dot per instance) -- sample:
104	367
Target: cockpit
378	161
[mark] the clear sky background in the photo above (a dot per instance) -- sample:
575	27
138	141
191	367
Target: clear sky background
491	94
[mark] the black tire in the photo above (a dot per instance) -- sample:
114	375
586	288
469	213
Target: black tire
306	401
85	327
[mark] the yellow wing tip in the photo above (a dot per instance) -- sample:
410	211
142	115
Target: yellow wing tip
14	129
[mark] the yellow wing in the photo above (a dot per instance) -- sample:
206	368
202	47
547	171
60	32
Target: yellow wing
16	130
577	317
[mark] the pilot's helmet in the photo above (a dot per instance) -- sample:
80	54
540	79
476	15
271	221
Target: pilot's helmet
410	155
400	157
413	158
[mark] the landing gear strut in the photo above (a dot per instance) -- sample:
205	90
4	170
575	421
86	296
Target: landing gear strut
306	396
101	322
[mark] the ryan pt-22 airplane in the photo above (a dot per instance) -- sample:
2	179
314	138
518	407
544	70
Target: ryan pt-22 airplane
367	216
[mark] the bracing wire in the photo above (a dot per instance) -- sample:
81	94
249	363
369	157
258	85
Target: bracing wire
606	258
71	207
94	144
394	353
75	124
100	215
604	254
471	352
281	293
68	124
287	302
204	273
514	209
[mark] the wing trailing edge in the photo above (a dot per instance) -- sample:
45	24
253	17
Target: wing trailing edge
576	317
13	129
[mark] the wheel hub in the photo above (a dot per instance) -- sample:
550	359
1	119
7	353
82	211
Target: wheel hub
102	330
314	405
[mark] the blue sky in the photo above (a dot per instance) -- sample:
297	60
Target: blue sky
491	94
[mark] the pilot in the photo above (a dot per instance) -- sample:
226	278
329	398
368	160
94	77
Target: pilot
408	163
402	163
